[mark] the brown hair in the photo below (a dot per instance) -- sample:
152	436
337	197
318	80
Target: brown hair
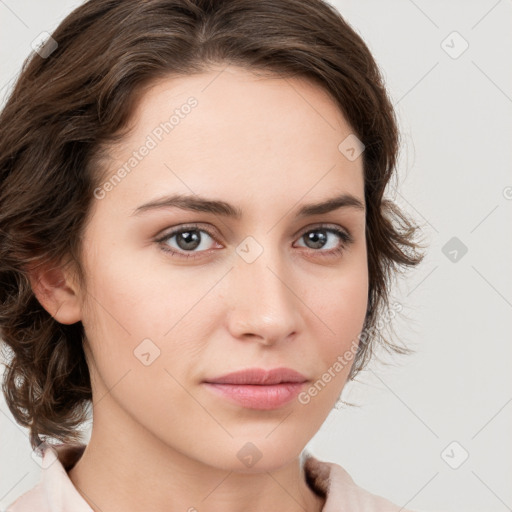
68	106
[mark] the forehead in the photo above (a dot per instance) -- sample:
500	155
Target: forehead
229	131
233	97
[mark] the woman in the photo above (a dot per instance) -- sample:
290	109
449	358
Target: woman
194	241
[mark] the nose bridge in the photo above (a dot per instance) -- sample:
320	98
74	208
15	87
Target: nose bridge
264	261
264	303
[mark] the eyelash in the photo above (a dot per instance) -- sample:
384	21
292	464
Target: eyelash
346	240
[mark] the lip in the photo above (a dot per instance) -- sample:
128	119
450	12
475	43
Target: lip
257	388
260	376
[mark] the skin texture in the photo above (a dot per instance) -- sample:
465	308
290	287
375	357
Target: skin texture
161	441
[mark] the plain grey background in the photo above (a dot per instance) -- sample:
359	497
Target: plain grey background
433	430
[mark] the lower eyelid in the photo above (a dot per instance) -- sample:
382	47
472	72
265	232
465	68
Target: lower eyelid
344	236
344	239
172	234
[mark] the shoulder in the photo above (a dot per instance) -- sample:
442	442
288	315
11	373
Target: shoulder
54	492
334	483
33	499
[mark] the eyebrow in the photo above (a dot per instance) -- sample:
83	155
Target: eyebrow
201	204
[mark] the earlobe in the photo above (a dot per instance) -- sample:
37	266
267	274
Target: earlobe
55	293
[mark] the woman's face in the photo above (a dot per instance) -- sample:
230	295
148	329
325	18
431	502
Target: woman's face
268	288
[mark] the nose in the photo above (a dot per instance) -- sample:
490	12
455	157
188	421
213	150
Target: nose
264	305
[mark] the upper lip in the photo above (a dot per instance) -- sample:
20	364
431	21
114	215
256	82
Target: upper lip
259	376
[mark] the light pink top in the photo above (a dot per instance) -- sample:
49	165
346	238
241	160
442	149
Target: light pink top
55	491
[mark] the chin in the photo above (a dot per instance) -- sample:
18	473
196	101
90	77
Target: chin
256	454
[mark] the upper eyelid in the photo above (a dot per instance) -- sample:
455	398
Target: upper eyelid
183	227
200	227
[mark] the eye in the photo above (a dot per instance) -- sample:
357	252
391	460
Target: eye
331	240
187	239
191	241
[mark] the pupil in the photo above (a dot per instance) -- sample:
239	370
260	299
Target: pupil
318	238
191	239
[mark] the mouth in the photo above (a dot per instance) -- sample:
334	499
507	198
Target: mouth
257	388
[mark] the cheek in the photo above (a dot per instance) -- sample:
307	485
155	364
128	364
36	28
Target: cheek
342	300
133	310
142	344
341	310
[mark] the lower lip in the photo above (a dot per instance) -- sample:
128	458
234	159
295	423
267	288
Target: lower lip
262	397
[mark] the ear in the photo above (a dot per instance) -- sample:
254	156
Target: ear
56	292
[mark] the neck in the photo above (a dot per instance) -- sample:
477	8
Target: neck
126	473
